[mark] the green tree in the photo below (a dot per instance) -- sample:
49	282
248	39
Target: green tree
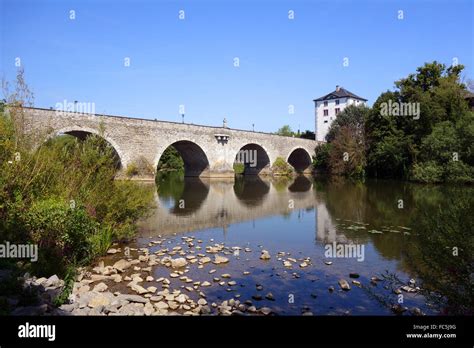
347	138
171	160
422	146
285	131
352	117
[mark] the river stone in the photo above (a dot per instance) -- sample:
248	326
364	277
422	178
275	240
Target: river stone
270	297
83	289
139	289
100	287
179	262
226	275
181	298
132	298
122	265
265	310
246	273
116	278
265	255
232	283
152	289
205	259
287	263
173	305
99	300
148	309
112	251
212	250
344	284
328	263
220	259
206	283
52	281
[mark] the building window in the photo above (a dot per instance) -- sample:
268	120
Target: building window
337	101
326	121
326	113
325	103
337	110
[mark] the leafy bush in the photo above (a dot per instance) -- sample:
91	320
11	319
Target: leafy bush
171	160
239	168
347	155
63	196
131	170
427	172
280	167
321	158
459	172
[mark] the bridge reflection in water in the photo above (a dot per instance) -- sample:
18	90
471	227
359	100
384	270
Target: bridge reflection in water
185	204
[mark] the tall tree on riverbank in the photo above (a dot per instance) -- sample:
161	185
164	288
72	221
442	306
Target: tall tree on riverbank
408	145
347	137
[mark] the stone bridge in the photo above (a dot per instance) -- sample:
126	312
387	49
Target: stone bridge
206	151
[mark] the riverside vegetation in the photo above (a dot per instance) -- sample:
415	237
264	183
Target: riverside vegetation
433	146
61	196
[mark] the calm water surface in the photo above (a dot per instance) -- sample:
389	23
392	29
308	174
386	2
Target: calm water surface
299	217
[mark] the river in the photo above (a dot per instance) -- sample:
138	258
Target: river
299	221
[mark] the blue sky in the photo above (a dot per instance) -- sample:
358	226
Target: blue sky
190	62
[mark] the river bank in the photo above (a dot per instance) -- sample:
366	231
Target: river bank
125	282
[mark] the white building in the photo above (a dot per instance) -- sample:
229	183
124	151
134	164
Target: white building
328	106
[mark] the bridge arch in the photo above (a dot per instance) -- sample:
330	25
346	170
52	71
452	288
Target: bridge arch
196	163
300	159
82	132
255	158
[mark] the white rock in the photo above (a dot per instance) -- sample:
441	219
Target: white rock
122	265
220	259
100	287
179	262
265	255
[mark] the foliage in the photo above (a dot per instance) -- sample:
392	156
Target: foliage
422	147
285	131
433	142
239	168
347	155
307	134
444	245
321	157
171	160
63	196
352	117
280	167
347	136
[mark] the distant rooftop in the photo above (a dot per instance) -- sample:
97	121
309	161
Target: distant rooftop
340	92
